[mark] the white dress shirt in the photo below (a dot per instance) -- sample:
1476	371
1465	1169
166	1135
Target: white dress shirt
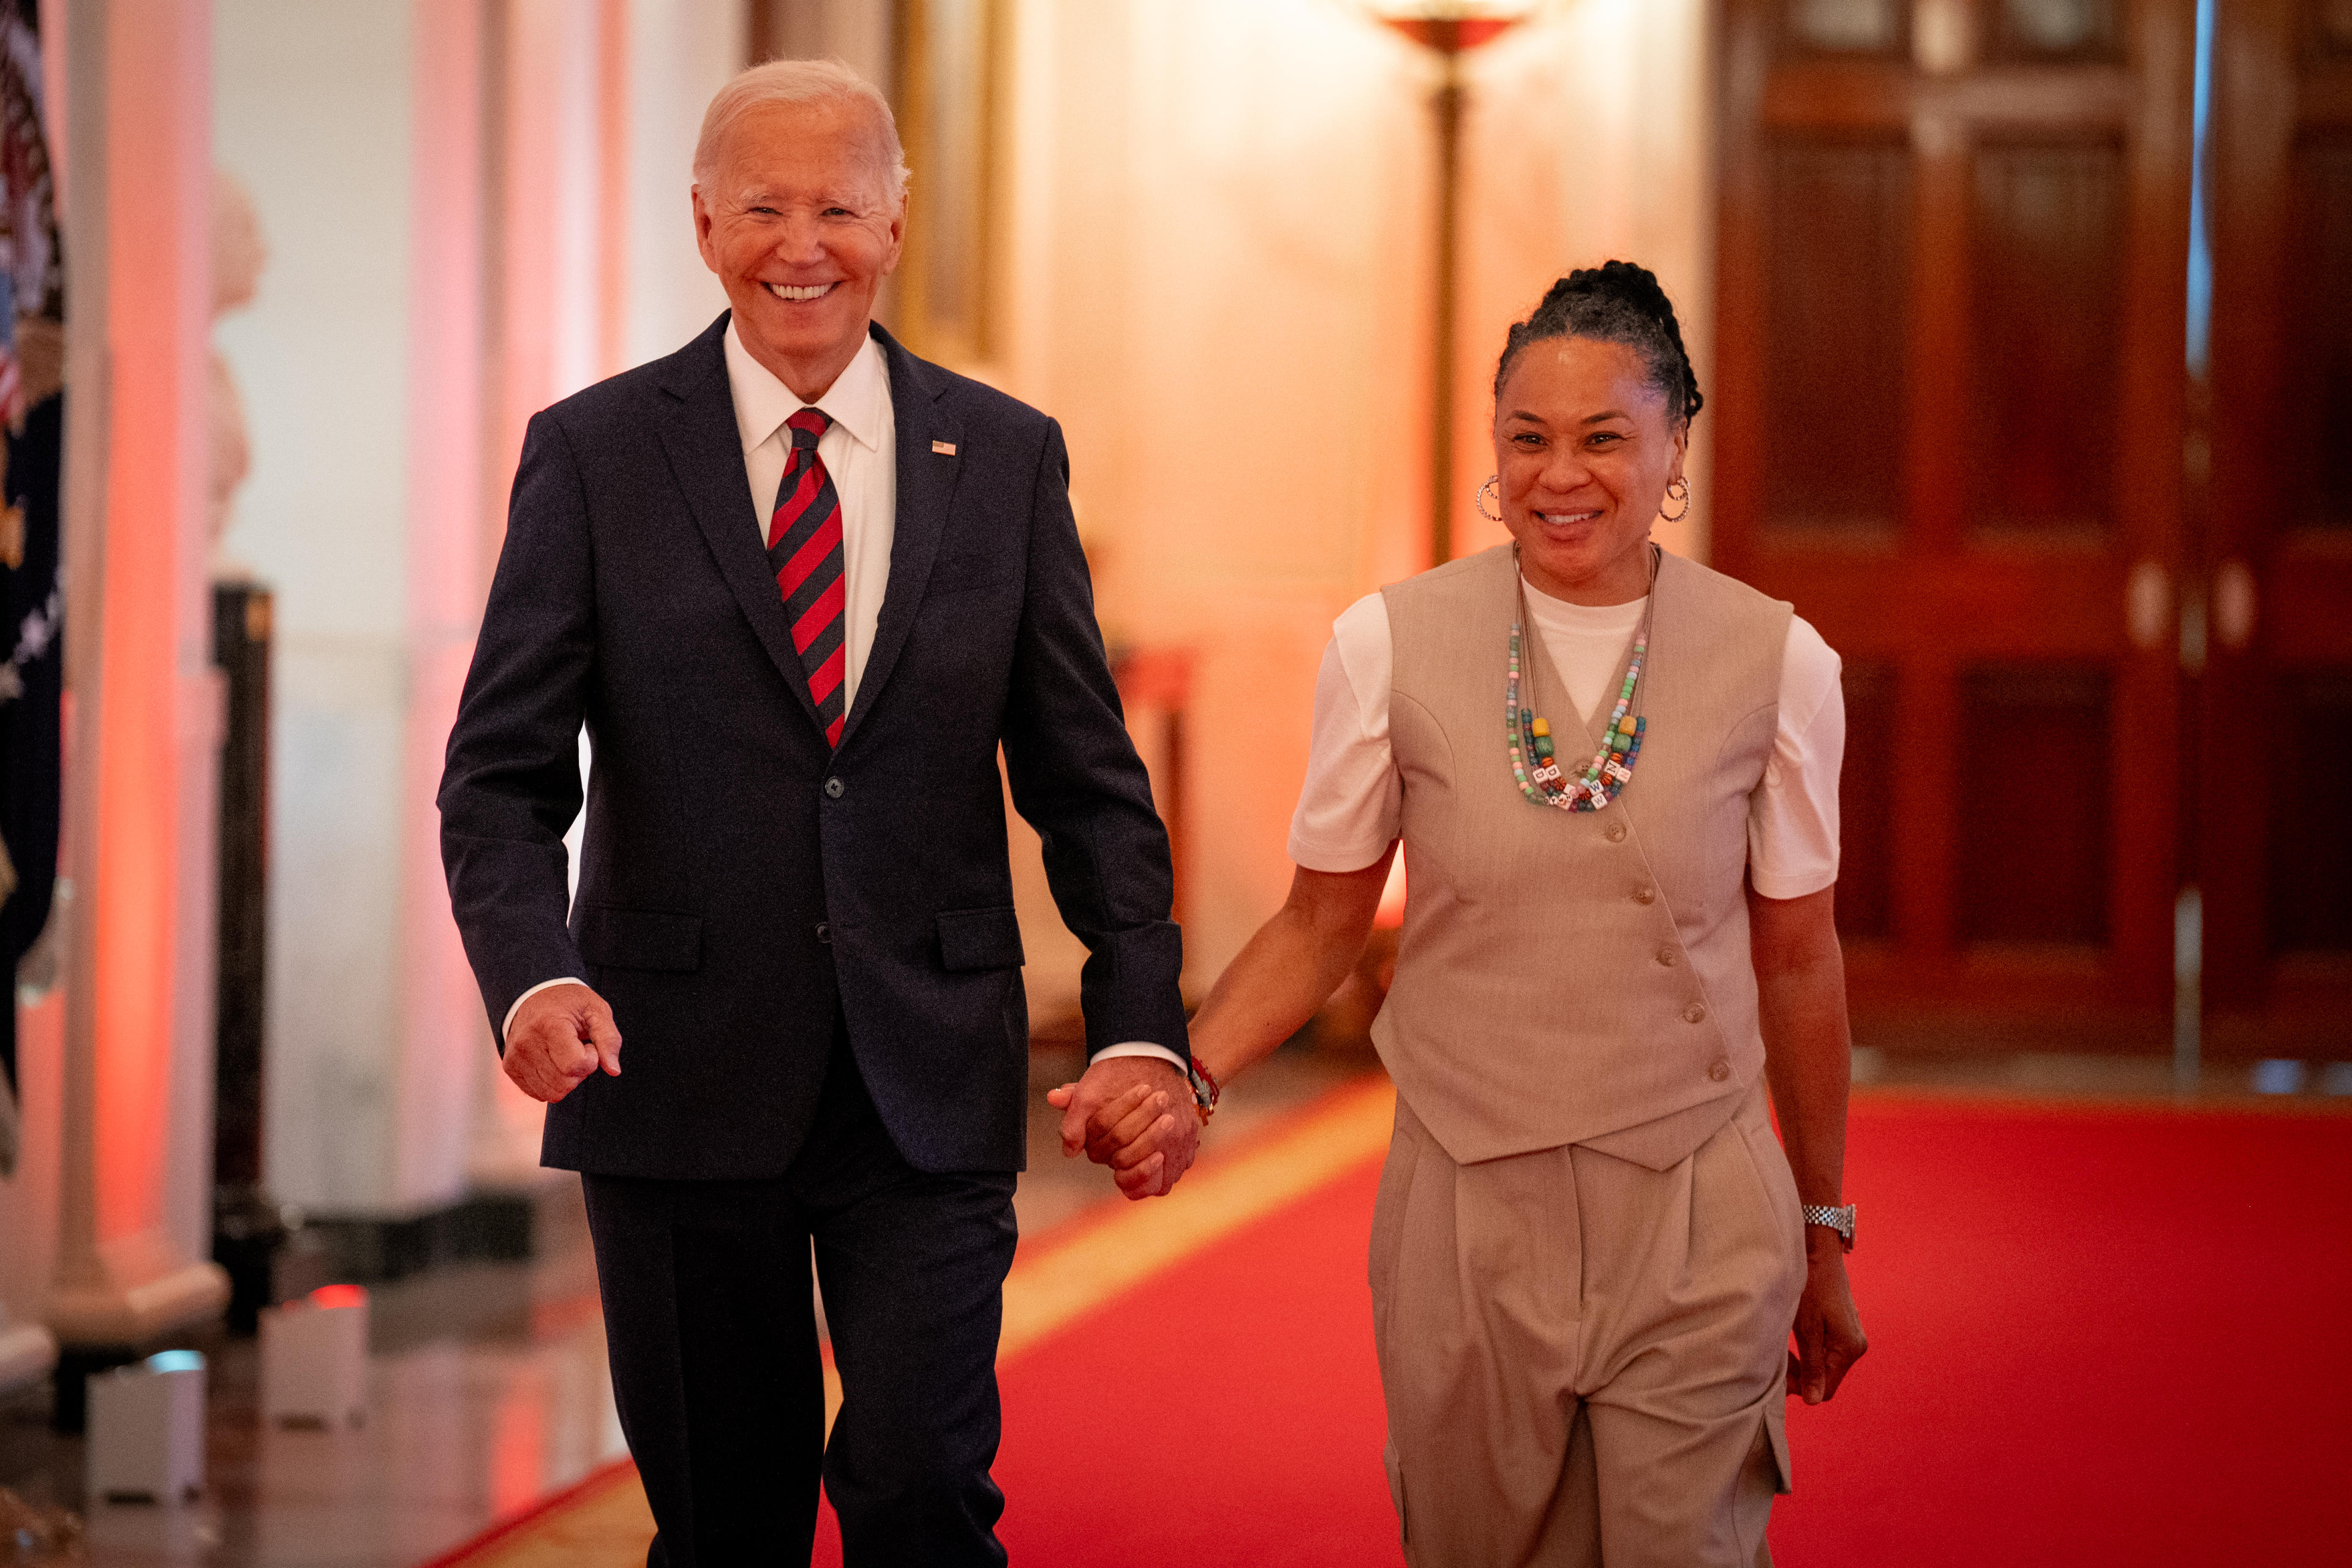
860	453
1350	807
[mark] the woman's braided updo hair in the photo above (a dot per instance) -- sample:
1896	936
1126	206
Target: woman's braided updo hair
1616	303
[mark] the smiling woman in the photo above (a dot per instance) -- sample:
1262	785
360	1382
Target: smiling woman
1593	400
1597	977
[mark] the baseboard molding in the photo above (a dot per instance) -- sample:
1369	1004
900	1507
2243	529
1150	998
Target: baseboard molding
503	1224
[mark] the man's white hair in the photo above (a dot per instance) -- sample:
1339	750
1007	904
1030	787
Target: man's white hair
802	82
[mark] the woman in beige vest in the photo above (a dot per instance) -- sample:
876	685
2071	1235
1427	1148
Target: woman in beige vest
1589	1249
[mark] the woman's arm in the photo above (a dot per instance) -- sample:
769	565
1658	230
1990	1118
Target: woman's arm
1290	967
1800	988
1288	971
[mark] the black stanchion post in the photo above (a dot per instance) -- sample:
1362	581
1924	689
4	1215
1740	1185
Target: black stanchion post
247	1227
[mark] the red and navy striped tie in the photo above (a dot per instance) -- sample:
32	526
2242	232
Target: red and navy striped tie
804	552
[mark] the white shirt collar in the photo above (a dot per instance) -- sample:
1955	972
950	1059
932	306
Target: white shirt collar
857	401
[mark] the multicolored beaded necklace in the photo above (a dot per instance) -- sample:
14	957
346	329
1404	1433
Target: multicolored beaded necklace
1612	767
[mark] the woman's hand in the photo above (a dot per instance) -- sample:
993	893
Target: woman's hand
1801	995
1829	1331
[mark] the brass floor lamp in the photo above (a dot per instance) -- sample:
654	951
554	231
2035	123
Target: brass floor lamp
1449	28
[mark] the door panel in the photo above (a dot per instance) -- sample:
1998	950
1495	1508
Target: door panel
2318	363
2275	839
1950	427
1837	286
2046	286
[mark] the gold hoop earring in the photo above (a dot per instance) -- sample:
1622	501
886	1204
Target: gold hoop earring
1479	501
1679	490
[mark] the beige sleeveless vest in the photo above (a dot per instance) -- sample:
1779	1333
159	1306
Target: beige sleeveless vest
1577	977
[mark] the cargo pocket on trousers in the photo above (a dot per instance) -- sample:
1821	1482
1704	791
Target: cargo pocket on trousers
1396	1485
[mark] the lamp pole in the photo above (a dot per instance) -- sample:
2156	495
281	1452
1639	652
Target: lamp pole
1445	103
1448	30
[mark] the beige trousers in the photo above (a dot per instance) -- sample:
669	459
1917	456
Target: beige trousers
1584	1358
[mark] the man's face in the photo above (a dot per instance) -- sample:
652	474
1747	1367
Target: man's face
799	225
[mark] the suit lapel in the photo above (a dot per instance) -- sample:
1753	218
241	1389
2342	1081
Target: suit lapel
926	481
706	458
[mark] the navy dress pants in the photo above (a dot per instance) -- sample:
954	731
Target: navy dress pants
712	1337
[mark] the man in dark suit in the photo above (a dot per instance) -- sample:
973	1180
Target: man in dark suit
801	586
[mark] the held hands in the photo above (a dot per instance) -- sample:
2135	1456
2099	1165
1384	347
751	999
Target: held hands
1829	1329
1134	1114
559	1037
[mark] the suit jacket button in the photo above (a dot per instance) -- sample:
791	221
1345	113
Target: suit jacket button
1696	1013
823	931
1718	1070
834	788
1666	956
1646	895
1616	831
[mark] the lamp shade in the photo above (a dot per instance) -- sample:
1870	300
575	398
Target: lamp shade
1451	27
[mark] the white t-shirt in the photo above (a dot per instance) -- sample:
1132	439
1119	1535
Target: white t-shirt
1352	802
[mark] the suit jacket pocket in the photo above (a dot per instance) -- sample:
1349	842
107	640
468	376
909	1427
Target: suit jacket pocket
639	939
972	572
979	938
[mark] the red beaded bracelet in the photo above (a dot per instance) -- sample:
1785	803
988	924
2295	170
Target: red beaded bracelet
1205	1090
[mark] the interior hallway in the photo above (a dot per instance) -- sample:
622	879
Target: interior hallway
489	1392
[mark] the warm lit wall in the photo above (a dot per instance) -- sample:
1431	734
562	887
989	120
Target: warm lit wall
313	111
1218	278
472	210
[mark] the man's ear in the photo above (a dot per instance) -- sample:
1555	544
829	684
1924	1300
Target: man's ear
898	237
702	222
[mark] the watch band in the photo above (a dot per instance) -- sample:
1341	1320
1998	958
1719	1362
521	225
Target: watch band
1840	1220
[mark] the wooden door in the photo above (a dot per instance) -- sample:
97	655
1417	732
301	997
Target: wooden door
2275	837
1953	276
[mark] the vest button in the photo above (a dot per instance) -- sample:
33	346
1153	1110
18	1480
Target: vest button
1646	895
1666	956
1616	831
1696	1013
1718	1070
824	931
833	787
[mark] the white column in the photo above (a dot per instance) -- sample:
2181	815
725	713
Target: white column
444	1038
680	53
554	237
141	759
593	268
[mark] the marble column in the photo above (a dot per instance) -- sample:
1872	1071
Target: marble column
134	1175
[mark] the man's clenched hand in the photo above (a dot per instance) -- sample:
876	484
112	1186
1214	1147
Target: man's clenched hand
1134	1114
559	1037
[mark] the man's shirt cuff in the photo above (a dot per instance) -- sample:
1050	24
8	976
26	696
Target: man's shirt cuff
1142	1048
507	1027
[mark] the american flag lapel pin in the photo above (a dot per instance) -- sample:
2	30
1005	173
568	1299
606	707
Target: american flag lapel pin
944	449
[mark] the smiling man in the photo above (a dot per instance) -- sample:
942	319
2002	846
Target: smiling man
800	588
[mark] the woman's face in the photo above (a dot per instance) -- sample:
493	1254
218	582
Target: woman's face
1585	454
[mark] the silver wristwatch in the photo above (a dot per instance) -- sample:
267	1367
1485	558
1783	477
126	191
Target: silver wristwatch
1840	1220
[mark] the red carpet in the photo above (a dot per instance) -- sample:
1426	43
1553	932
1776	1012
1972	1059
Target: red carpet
2098	1336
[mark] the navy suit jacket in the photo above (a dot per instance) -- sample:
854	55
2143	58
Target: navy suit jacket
742	885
